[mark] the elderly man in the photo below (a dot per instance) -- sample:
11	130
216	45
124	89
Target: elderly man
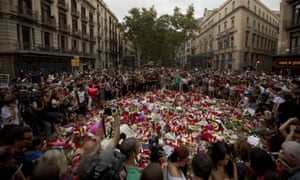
289	159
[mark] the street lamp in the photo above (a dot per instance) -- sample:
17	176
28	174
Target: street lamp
257	63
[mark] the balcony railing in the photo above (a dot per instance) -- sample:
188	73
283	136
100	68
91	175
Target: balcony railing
75	13
92	23
49	21
85	36
63	5
26	13
49	1
64	27
92	38
295	50
77	33
84	18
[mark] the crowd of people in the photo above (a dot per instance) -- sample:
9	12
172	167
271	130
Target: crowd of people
35	107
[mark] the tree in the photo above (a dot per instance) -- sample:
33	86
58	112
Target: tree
156	39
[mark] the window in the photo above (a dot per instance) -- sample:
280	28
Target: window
73	6
74	45
258	12
246	39
253	40
225	25
219	16
46	10
225	11
74	25
63	42
46	39
296	14
219	29
26	37
295	42
248	4
232	22
91	18
91	32
233	5
254	8
257	41
91	48
84	48
62	19
232	41
83	28
247	21
254	23
258	26
83	12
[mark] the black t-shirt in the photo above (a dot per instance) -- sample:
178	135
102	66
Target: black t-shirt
51	117
21	158
288	110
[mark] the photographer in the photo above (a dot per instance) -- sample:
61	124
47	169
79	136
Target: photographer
291	129
92	151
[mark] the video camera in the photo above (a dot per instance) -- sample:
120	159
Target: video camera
102	170
155	148
110	110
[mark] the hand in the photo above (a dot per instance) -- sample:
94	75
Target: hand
293	119
114	111
293	128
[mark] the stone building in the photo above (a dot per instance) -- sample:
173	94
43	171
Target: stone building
239	35
47	34
287	62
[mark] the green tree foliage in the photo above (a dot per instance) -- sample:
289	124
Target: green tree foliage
157	38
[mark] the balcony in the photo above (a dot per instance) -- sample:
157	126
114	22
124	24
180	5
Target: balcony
49	1
49	21
292	25
26	13
64	28
92	38
295	51
92	23
77	33
75	13
84	19
85	36
63	5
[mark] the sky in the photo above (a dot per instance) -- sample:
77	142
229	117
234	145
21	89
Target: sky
121	7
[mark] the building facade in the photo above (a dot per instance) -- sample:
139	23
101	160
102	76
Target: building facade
241	34
288	60
49	33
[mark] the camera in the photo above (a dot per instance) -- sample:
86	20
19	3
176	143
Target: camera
110	110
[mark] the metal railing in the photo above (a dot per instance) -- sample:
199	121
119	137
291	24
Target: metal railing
84	18
77	33
26	13
75	13
64	27
49	21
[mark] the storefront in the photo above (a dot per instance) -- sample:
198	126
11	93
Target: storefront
287	65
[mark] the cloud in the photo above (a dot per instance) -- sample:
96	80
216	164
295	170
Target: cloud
121	7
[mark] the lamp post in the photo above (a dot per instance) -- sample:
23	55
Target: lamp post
257	64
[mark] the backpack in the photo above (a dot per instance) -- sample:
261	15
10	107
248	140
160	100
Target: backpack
107	170
264	96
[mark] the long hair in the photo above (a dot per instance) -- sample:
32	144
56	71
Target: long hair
261	161
52	160
219	151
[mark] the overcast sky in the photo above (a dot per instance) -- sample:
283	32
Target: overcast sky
121	7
